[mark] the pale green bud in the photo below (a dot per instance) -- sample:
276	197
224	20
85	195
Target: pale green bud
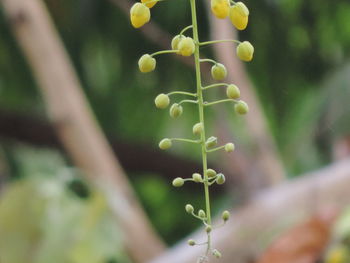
178	182
241	107
197	128
189	208
165	144
229	147
218	71
211	173
191	242
225	215
211	142
201	213
175	42
162	101
245	51
220	178
175	110
216	253
197	177
147	63
233	92
208	229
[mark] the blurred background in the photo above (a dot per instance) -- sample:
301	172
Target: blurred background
52	205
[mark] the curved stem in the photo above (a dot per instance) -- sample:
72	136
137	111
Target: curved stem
219	101
182	93
201	115
188	101
208	60
219	41
215	85
216	149
163	52
185	140
185	29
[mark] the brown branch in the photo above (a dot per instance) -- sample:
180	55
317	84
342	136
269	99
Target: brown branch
73	121
269	212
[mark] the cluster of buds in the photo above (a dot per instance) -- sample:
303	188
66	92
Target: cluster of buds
184	45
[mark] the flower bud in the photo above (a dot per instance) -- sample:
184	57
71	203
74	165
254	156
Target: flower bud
220	8
225	215
211	173
189	208
218	71
239	14
165	144
197	177
147	63
191	242
211	142
139	15
175	42
241	107
229	147
178	182
162	101
220	178
175	110
201	213
149	5
232	92
197	128
216	253
208	229
245	51
186	46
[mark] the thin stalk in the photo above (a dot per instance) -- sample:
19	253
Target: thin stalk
185	29
216	149
207	60
201	115
219	101
185	140
188	101
182	93
219	41
163	52
215	85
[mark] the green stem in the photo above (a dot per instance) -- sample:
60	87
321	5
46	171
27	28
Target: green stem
182	93
201	115
219	41
216	149
207	60
188	101
219	101
185	140
215	85
185	29
163	52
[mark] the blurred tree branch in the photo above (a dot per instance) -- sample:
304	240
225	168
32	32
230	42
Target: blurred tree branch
74	123
252	225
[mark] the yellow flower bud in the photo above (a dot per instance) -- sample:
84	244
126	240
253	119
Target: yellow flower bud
241	107
165	144
220	8
211	142
233	92
197	177
139	15
191	242
220	179
229	147
197	128
186	46
175	110
162	101
147	63
218	71
189	208
175	42
245	51
211	173
225	215
201	213
239	14
149	5
178	182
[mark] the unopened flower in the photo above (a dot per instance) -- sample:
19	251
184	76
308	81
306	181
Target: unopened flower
139	15
175	110
241	107
165	144
239	14
175	42
186	46
147	63
162	101
178	182
148	4
197	128
229	147
220	179
220	8
233	92
245	51
218	71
